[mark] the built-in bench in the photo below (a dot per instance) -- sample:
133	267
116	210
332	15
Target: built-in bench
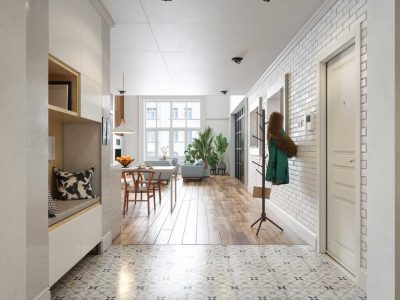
67	208
72	234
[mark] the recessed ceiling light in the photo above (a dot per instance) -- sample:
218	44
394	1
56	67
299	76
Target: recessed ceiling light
237	59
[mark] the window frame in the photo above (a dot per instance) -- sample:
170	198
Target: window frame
171	129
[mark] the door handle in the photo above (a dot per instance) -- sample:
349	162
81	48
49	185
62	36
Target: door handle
352	160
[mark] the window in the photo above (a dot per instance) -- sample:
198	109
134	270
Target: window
151	113
172	124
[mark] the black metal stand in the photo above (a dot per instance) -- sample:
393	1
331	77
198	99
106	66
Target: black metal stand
263	217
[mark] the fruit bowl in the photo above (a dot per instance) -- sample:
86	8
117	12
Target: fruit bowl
125	161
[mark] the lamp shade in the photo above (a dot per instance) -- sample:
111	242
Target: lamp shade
123	128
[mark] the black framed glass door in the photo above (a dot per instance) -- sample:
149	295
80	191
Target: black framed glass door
239	144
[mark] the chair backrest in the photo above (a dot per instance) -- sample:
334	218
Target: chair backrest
139	178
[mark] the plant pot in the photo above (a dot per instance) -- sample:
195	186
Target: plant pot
213	169
221	165
206	172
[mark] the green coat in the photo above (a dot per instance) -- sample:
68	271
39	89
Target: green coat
278	167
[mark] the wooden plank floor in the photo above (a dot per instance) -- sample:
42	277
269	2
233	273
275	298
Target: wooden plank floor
217	210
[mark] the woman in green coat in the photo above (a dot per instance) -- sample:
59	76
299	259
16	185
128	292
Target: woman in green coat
280	147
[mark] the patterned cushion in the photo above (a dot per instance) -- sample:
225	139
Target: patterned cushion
52	206
73	186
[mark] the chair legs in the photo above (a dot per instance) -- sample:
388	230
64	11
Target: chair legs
150	194
159	192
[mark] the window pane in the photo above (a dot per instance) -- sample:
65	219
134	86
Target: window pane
178	114
179	143
193	123
193	110
192	134
164	113
163	141
151	136
151	114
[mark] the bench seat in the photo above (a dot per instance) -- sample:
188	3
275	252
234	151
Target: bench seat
67	208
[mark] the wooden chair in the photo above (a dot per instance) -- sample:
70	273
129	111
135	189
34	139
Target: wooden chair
156	185
139	181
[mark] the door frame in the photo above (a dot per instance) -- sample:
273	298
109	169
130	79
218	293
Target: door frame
341	43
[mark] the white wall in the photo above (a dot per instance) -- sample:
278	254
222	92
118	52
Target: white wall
300	198
383	150
234	101
132	145
37	49
216	115
12	115
110	178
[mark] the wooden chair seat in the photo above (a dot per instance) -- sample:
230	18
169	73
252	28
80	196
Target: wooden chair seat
139	181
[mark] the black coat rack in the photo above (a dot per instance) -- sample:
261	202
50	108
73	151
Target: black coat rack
263	217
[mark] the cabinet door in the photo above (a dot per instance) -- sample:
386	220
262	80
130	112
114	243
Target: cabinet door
90	99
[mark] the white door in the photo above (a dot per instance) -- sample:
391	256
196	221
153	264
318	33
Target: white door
341	158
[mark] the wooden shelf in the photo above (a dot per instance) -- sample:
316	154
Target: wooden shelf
60	72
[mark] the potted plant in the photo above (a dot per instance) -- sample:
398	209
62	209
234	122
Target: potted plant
221	144
204	146
190	154
213	161
164	151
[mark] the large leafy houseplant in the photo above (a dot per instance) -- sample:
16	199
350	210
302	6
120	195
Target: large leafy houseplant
191	154
221	144
204	145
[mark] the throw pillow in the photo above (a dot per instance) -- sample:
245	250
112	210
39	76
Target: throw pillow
74	186
52	206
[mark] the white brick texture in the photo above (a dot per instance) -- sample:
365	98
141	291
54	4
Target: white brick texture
299	199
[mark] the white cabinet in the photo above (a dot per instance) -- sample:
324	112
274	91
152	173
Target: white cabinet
90	99
91	44
76	40
65	22
70	242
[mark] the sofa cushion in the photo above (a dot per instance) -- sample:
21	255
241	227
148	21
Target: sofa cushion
74	185
70	207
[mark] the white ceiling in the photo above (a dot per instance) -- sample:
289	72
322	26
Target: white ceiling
184	47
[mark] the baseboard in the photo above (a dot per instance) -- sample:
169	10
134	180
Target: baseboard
305	234
44	295
106	242
362	280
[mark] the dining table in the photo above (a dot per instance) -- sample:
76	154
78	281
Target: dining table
170	170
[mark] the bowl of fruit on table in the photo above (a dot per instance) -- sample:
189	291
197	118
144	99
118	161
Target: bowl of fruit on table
125	161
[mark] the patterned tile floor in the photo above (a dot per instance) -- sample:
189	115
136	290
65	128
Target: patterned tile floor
206	272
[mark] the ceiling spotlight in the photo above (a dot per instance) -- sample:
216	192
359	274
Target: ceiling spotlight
224	92
237	59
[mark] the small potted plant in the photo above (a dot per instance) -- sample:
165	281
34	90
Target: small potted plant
164	151
213	161
221	144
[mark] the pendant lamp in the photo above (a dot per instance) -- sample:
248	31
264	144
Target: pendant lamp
123	128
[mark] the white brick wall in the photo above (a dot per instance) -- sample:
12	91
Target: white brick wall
299	198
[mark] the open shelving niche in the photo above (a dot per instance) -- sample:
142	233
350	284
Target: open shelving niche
77	140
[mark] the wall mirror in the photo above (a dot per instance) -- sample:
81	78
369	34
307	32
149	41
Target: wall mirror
277	100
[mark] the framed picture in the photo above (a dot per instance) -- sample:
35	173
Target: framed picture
106	130
60	93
